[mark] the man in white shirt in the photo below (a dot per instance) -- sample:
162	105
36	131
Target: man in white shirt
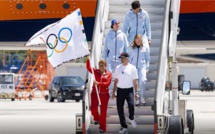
125	82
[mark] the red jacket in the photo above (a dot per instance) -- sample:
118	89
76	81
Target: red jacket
103	80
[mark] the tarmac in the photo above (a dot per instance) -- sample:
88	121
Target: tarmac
203	105
42	117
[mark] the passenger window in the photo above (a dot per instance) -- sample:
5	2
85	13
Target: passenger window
58	81
53	81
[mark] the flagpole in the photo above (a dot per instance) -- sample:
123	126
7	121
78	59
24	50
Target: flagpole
95	85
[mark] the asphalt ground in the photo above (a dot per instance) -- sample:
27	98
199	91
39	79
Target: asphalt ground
42	117
203	105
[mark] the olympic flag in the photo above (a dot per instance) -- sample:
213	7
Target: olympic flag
65	40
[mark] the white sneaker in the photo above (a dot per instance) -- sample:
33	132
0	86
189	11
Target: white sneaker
143	101
123	131
133	123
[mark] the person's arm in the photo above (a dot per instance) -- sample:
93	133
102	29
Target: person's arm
114	88
130	54
135	85
115	83
105	50
136	88
147	58
126	45
148	27
125	25
88	65
107	83
135	77
135	82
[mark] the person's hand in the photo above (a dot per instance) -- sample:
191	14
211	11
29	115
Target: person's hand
147	71
95	82
136	96
150	42
113	96
88	57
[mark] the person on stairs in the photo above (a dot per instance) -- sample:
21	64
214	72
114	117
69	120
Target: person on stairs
137	22
115	43
140	58
102	81
125	82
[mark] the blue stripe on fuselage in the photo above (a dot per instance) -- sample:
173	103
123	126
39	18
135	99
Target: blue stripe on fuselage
197	26
22	30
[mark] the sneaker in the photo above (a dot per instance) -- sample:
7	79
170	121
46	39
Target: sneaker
123	131
142	101
133	123
137	105
101	131
142	104
96	122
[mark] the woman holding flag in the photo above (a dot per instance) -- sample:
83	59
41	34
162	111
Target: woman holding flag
102	81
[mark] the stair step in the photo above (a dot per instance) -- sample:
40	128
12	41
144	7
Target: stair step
152	75
155	33
154	59
159	3
125	8
149	102
121	17
140	120
115	128
151	84
153	67
154	50
149	93
143	110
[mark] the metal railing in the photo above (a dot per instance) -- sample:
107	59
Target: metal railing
162	61
166	42
96	47
170	25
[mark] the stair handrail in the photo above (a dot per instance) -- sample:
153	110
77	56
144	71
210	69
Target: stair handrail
32	71
20	71
162	66
175	9
171	9
101	17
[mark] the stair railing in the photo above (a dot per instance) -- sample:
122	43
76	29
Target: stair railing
96	48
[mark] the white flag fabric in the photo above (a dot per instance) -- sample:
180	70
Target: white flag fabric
65	40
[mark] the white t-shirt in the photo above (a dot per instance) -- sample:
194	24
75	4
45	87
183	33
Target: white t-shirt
125	75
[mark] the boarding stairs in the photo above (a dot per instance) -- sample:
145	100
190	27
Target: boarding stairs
35	74
144	115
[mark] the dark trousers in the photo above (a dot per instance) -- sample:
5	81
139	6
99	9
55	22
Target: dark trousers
122	95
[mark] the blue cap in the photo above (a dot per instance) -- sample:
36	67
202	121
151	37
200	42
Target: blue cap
114	21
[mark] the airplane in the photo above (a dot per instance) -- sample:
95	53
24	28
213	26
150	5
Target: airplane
197	28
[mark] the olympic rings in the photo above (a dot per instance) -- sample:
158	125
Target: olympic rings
61	39
48	45
60	33
60	51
